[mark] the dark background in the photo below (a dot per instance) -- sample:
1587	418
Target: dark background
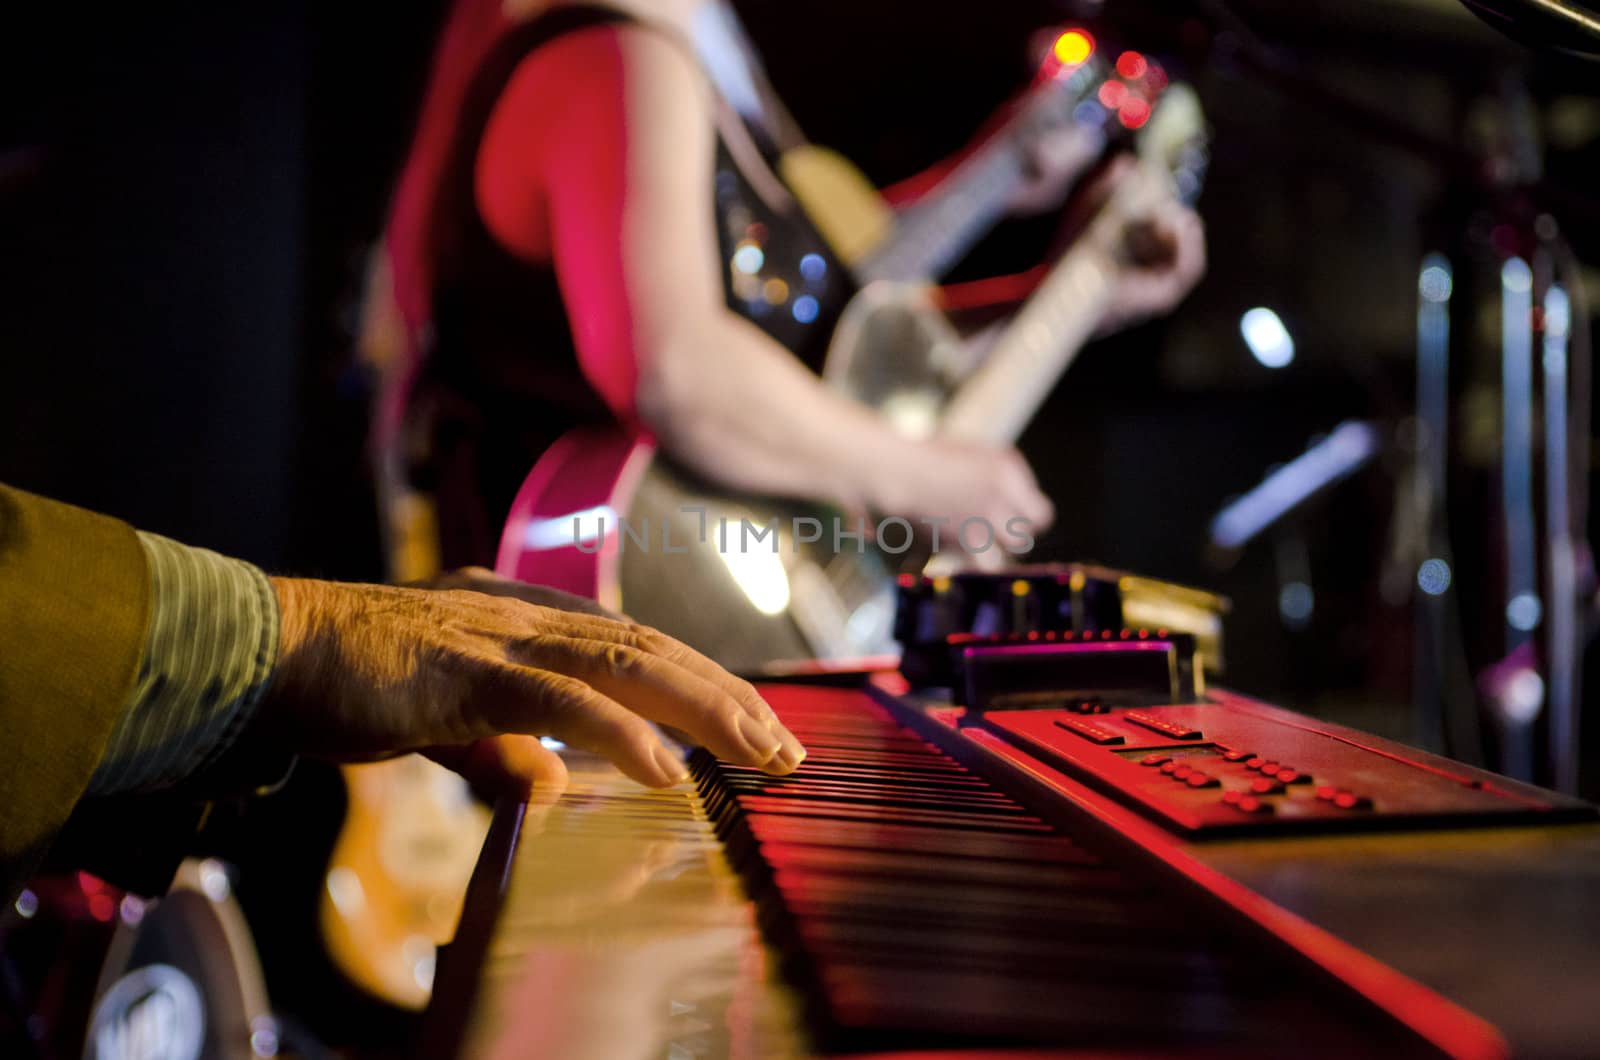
187	197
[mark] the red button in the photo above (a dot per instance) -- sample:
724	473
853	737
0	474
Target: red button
1236	756
1326	792
1200	780
1176	730
1265	786
1154	760
1168	767
1232	797
1292	776
1182	772
1349	800
1270	768
1251	804
1256	762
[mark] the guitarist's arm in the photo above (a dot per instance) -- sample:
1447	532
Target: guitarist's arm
625	172
1055	160
1166	257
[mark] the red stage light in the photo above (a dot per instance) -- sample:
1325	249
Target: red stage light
1112	94
1131	65
1134	113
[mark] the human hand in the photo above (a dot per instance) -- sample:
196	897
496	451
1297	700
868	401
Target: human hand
484	580
945	482
472	679
1052	162
1165	256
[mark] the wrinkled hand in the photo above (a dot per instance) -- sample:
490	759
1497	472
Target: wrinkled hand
484	580
472	679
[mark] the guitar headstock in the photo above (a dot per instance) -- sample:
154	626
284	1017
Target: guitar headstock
1126	95
1174	140
1070	71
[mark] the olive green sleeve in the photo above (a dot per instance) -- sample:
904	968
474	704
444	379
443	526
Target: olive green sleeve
74	608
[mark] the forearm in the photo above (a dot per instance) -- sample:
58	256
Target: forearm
726	401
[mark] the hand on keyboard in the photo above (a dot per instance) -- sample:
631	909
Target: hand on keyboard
470	678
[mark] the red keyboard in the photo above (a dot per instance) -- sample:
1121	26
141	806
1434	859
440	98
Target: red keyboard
915	902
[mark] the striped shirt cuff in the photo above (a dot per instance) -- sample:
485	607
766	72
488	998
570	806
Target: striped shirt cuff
208	657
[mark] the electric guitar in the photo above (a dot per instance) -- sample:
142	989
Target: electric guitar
603	515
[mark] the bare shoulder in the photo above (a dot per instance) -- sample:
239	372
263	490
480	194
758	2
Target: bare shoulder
646	61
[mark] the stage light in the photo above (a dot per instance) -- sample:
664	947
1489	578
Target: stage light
1073	47
1134	113
1113	93
1131	65
1523	695
1433	576
1435	283
748	258
1516	276
1296	603
1524	612
1267	338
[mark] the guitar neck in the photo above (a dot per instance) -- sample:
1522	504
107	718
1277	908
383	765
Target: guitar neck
934	234
996	402
998	399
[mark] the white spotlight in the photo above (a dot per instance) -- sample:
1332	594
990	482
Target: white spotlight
1266	336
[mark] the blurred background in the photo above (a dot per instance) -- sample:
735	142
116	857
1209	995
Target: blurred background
188	195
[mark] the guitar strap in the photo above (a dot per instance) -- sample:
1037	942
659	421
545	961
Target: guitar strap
734	67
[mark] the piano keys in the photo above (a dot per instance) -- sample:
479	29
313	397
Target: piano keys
609	925
892	896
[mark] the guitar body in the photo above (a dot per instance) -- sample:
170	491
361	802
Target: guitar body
398	875
839	199
603	514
